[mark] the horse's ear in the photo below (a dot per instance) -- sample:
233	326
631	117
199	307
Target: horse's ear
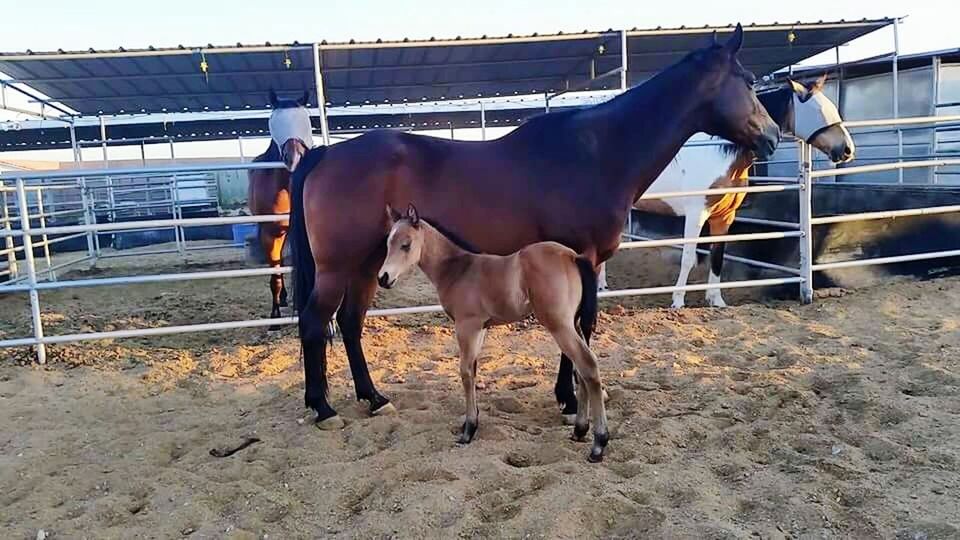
392	214
273	99
736	40
303	100
818	84
412	214
798	88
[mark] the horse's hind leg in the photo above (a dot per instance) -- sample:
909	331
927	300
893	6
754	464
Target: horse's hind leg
590	388
470	340
350	319
326	296
717	228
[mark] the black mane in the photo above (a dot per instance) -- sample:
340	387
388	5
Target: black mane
459	242
272	153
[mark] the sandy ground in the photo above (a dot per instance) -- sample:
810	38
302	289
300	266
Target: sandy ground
764	420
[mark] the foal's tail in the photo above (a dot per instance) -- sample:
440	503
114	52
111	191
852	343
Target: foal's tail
304	269
587	312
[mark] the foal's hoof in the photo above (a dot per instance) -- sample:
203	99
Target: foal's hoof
580	432
333	423
595	456
467	432
384	410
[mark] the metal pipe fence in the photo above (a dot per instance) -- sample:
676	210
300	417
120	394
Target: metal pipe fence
802	231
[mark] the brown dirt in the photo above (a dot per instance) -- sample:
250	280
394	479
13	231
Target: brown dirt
838	419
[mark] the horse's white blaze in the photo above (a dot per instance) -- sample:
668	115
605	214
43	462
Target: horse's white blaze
291	123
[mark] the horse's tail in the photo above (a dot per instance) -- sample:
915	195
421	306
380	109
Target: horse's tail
587	311
304	269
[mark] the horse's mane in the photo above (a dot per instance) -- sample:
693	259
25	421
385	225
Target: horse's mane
272	153
459	242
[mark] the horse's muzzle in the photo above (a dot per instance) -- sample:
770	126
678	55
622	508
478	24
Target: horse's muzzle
384	280
768	141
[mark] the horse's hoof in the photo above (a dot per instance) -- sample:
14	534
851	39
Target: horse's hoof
569	419
333	423
580	432
385	410
595	457
274	328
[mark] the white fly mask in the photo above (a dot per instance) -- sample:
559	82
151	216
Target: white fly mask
290	123
814	114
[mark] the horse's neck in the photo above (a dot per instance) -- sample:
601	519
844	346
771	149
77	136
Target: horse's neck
644	128
438	254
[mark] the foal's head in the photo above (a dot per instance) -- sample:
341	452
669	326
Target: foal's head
290	128
817	121
404	246
730	109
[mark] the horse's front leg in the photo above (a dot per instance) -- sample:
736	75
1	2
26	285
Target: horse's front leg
470	335
350	319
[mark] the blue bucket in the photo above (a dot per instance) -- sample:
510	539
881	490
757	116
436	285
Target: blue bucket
241	231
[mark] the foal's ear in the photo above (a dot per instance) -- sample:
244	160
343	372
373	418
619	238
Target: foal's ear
273	99
412	214
393	215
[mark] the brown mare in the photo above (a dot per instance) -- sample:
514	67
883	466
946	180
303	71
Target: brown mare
268	190
478	291
567	177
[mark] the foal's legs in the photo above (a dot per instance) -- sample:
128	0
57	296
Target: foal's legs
470	334
693	223
717	228
350	319
602	277
324	299
590	387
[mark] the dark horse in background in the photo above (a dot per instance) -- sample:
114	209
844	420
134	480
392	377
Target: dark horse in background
568	177
268	190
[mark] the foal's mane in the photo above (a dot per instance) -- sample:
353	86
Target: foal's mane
453	238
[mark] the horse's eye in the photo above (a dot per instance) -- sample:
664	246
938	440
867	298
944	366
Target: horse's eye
405	247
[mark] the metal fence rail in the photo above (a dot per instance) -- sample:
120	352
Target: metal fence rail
802	231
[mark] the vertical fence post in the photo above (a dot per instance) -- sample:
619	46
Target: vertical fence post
804	159
8	241
88	219
51	275
177	214
31	271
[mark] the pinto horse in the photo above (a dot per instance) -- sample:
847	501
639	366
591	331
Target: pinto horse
568	177
800	110
268	190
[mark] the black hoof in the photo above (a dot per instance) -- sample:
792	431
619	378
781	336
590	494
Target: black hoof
324	411
599	445
580	432
467	432
596	456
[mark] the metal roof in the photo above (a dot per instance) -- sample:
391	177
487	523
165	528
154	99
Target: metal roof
356	73
56	134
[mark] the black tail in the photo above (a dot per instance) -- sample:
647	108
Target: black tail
304	270
587	312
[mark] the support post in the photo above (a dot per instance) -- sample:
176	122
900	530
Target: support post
90	217
896	93
624	55
177	214
240	146
546	102
3	94
173	156
321	95
51	275
483	122
31	271
806	228
8	241
143	153
103	140
77	157
935	111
